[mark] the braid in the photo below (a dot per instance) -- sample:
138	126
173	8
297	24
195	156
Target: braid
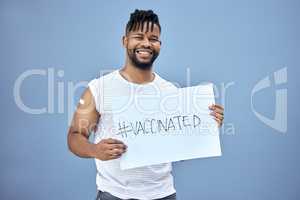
139	17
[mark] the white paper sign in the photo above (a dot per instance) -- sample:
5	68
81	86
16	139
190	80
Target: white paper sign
172	126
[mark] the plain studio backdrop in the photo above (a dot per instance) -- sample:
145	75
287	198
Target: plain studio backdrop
50	49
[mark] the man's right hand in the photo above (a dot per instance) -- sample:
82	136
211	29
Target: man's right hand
108	149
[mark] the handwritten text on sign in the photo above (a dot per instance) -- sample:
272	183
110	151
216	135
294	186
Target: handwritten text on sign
173	126
153	126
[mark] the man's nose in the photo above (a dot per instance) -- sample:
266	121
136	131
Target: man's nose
146	42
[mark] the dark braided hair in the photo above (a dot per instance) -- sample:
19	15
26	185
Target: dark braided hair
139	17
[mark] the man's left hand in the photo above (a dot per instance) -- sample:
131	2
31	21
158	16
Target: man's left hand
218	113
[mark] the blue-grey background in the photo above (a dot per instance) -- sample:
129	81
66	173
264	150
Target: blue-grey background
219	41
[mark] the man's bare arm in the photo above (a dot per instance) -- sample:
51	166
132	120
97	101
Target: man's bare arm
84	122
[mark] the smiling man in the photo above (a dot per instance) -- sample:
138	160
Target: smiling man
93	114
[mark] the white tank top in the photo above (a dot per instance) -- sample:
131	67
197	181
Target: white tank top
150	182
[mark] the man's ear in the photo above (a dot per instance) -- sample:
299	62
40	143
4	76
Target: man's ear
124	41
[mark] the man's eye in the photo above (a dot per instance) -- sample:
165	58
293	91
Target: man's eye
154	40
138	38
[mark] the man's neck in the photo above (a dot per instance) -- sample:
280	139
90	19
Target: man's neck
136	75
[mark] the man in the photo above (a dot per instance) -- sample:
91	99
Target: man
142	44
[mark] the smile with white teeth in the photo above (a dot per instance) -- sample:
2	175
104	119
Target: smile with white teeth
144	52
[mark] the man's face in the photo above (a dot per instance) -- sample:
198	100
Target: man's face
143	47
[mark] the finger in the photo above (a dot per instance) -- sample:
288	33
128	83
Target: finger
117	146
116	151
113	141
218	106
217	115
215	106
218	121
114	156
220	111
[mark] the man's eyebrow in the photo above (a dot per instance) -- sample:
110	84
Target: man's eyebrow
154	36
139	34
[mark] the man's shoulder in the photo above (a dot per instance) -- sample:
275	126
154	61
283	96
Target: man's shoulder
105	76
165	83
